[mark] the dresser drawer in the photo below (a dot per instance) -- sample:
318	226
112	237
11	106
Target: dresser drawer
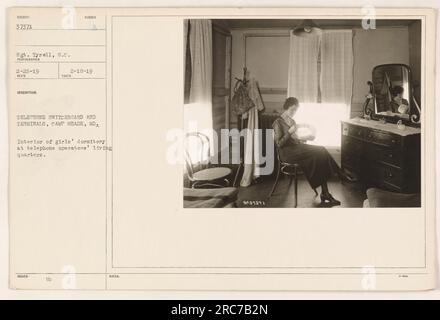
351	162
351	149
351	146
386	176
353	131
383	138
384	154
380	157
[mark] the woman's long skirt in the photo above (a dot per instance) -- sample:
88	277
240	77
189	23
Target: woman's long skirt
315	161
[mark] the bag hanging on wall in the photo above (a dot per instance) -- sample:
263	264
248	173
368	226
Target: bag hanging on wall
241	102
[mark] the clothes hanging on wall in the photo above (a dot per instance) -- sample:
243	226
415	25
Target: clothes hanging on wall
254	94
252	148
241	102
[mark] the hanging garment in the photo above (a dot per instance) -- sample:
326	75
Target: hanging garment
252	148
255	95
241	102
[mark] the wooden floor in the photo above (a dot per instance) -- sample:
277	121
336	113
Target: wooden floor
351	195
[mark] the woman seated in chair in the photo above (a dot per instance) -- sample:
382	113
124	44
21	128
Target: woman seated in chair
315	161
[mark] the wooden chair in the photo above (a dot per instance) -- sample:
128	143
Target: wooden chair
205	177
291	170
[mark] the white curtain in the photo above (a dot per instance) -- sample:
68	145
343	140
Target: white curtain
303	68
201	60
333	77
185	40
198	110
337	66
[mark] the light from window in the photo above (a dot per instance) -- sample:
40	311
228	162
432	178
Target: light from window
326	119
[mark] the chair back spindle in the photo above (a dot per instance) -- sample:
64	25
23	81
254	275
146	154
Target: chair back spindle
197	156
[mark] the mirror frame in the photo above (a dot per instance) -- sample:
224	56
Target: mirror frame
414	111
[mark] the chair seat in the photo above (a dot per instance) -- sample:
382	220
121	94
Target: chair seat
291	168
212	174
378	198
209	198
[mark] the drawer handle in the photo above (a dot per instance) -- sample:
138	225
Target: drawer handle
390	175
390	155
393	141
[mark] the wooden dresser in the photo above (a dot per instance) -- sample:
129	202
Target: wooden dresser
382	155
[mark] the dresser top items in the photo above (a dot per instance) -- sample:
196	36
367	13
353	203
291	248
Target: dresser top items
386	127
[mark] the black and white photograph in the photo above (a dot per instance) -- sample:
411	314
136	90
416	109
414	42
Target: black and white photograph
248	152
302	113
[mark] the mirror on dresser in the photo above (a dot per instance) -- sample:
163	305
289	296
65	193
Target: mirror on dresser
391	95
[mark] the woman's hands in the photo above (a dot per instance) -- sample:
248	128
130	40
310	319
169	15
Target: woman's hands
303	132
292	129
306	132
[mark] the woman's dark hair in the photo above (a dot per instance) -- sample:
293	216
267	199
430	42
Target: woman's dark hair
290	102
396	90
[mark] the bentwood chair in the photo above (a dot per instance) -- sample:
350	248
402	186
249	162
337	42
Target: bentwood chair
197	158
292	170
